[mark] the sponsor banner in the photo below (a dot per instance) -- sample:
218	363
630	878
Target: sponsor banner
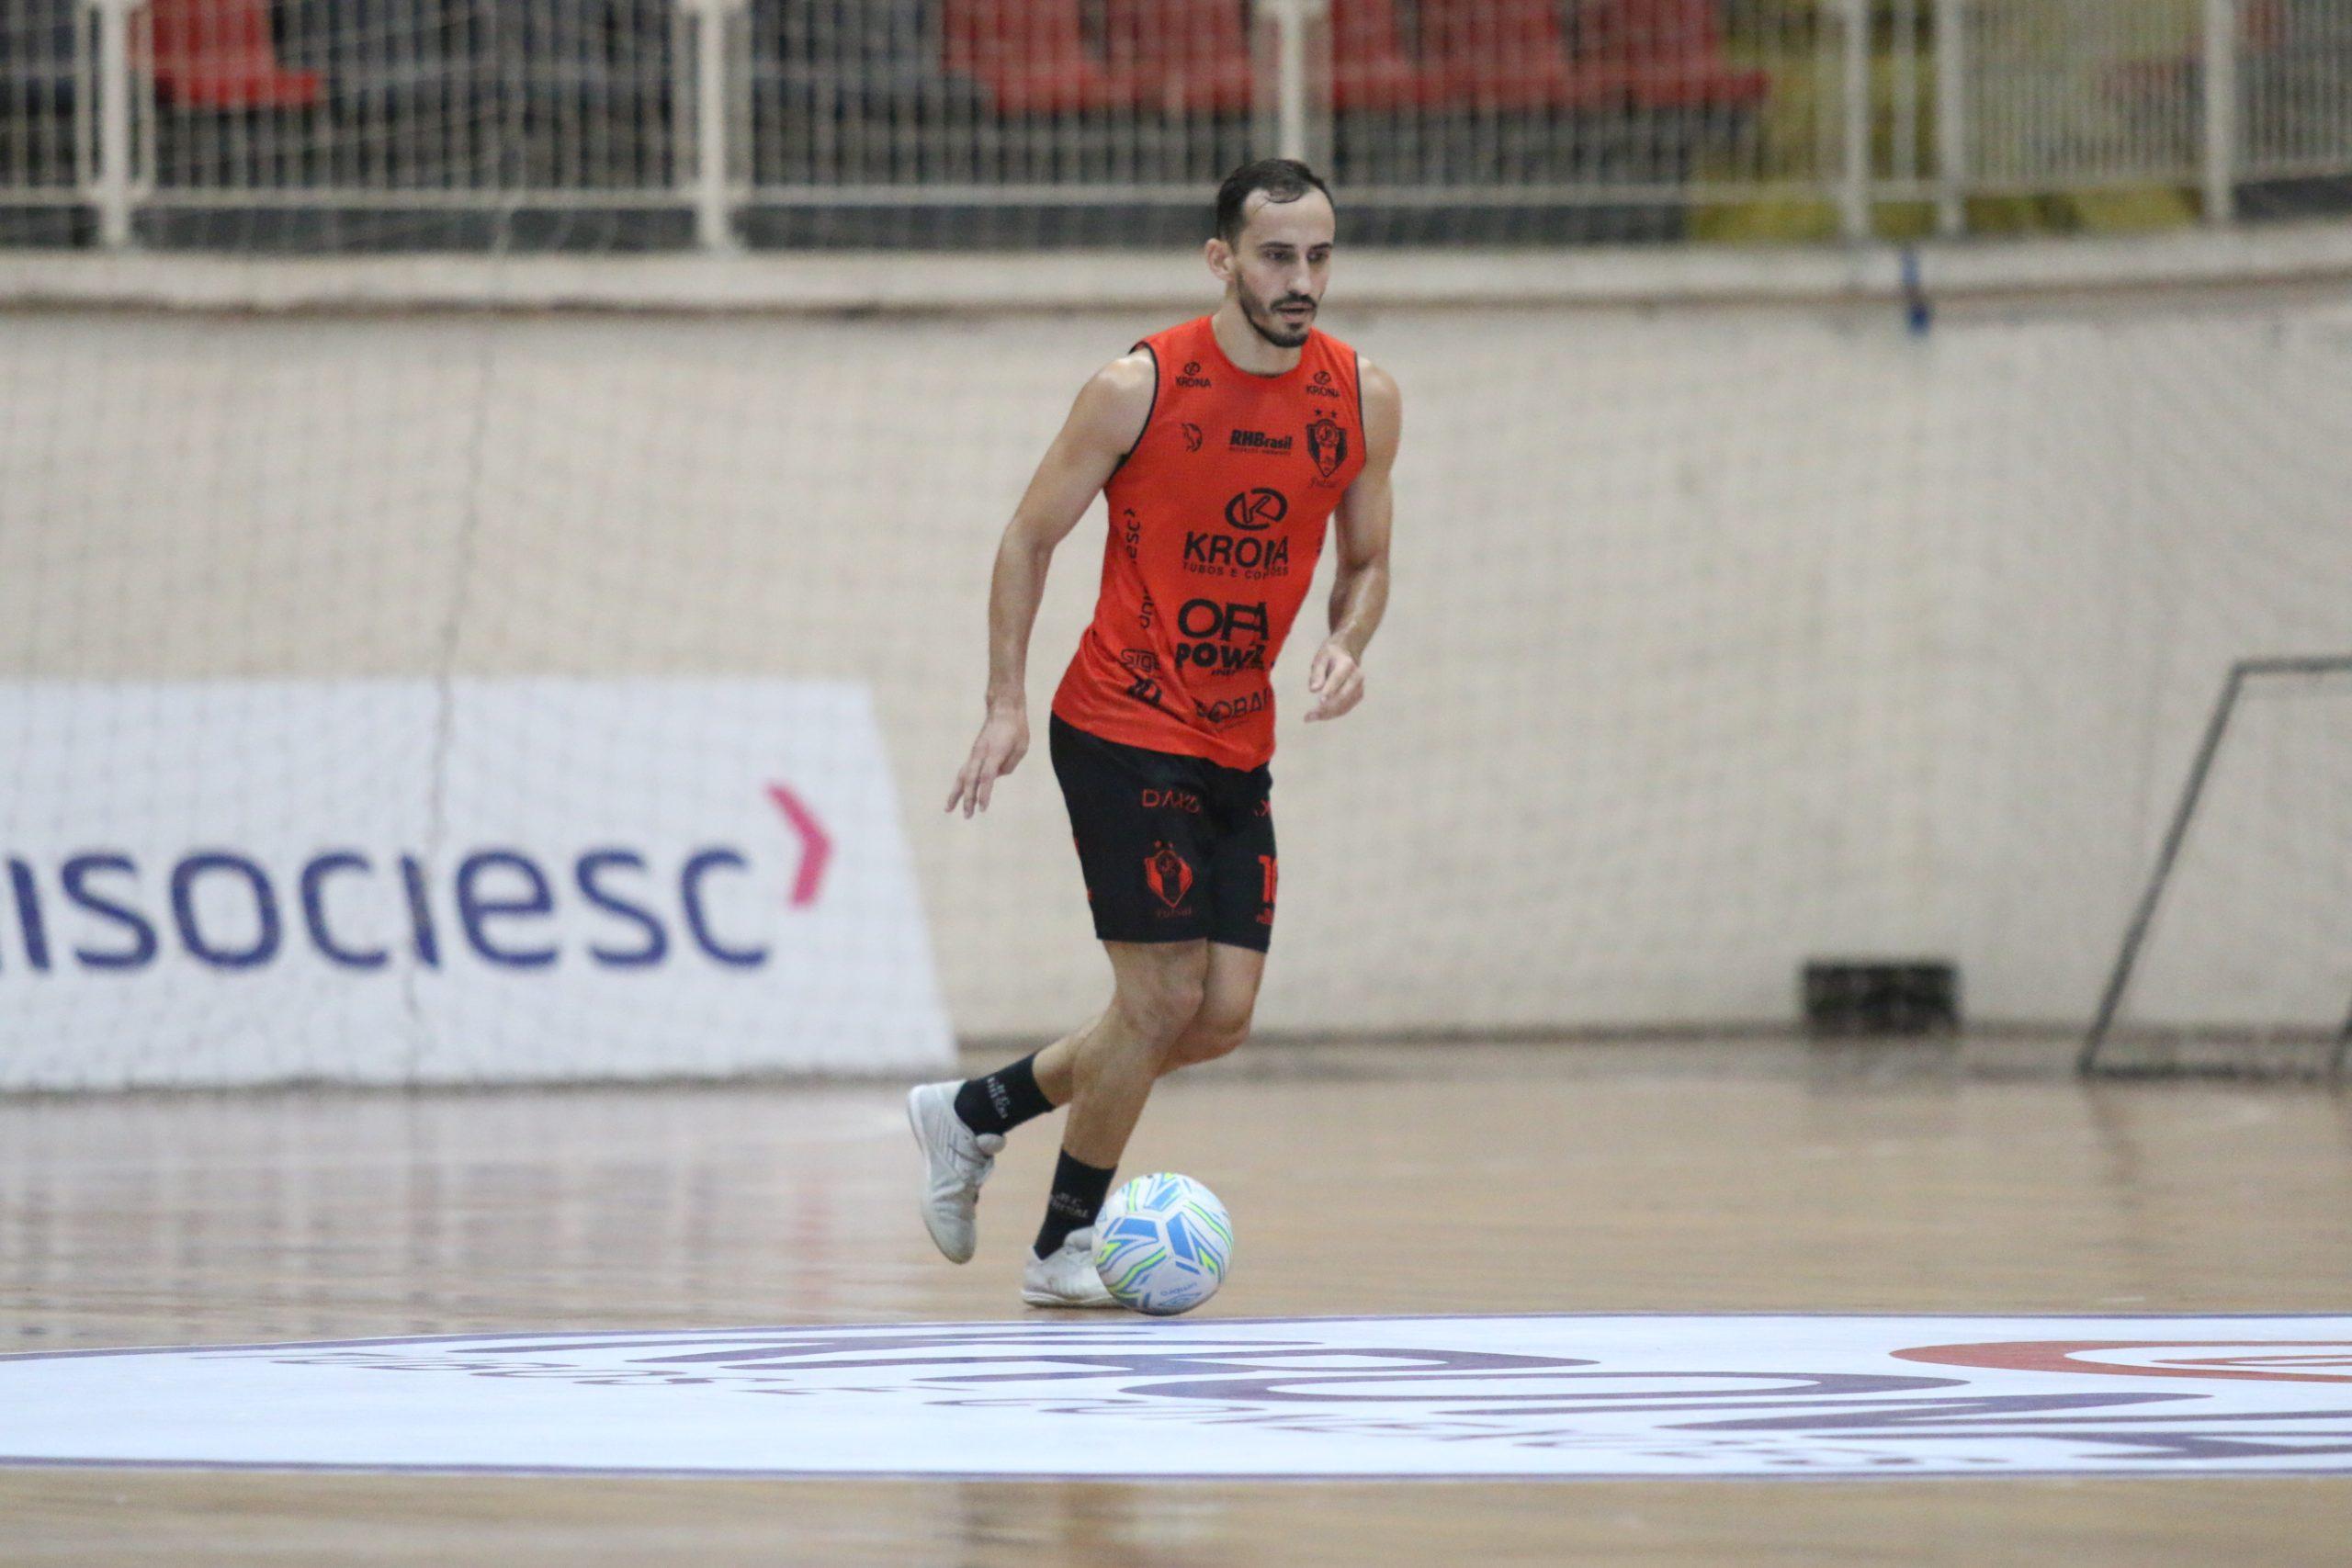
397	881
1553	1397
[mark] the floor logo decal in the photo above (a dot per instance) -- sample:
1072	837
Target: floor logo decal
1551	1396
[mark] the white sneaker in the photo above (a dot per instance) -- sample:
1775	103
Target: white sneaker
1067	1278
955	1161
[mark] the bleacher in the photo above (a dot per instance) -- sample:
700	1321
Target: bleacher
408	123
413	104
1041	56
1027	56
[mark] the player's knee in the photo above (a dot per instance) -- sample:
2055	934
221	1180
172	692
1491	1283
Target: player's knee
1163	1007
1216	1032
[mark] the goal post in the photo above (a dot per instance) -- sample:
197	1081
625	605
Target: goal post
2248	680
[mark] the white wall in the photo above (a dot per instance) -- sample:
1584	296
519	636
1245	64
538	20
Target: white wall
1721	638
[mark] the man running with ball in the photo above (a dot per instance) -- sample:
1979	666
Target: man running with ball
1225	445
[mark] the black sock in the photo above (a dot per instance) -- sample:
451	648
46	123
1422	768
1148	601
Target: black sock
1079	1192
1003	1099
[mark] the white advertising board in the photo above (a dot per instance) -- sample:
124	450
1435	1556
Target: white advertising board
1566	1397
247	881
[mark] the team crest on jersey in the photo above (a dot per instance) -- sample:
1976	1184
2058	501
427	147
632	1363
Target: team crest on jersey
1169	876
1327	443
1191	435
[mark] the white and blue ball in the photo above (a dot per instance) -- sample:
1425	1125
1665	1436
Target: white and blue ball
1162	1244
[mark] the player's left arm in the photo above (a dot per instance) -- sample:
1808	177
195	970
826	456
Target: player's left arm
1360	590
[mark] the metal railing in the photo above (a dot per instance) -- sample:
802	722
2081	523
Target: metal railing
991	116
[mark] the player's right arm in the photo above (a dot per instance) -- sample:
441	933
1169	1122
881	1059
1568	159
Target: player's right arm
1103	425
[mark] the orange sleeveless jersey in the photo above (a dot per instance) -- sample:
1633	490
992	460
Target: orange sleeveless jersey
1218	516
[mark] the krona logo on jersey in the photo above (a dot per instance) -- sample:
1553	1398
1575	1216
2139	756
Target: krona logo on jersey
227	910
1219	554
1256	509
1191	375
1222	555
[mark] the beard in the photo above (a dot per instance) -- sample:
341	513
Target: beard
1272	328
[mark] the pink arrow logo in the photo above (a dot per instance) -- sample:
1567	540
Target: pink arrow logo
816	846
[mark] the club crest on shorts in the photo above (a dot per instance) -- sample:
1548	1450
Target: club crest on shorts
1327	443
1168	874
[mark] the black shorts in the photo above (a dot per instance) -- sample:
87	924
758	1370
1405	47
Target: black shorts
1172	848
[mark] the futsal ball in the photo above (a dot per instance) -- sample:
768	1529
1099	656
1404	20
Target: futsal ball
1161	1244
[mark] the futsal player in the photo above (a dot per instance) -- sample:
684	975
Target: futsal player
1225	445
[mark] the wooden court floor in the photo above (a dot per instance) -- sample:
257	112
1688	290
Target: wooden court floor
1505	1177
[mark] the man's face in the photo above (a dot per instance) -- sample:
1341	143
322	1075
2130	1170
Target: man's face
1280	265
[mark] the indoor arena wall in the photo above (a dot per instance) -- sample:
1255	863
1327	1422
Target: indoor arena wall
1721	638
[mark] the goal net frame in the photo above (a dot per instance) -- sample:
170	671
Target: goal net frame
2095	1059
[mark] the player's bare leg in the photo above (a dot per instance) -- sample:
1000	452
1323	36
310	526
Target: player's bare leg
1157	993
1056	1066
1229	997
1000	1100
1159	987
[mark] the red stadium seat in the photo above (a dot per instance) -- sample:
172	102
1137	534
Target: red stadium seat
1185	55
1031	56
2264	24
1192	56
1515	54
1370	69
1665	53
218	54
1499	55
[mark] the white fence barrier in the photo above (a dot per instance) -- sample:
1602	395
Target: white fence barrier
714	112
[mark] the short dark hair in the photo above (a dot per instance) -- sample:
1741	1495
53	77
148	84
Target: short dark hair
1283	179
